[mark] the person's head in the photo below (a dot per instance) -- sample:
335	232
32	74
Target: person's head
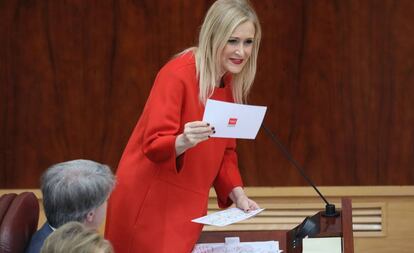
228	43
76	191
75	237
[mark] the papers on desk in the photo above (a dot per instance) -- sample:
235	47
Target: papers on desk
233	245
232	120
226	217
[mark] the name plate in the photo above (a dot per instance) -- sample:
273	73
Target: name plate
322	245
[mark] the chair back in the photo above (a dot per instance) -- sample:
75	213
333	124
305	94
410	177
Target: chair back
19	215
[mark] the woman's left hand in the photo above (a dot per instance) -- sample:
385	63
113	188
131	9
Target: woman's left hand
246	204
242	201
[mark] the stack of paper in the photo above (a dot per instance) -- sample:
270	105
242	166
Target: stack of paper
235	246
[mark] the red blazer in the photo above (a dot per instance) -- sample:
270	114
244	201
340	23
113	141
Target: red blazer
157	195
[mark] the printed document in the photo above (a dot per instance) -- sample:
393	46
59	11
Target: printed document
226	217
232	120
233	245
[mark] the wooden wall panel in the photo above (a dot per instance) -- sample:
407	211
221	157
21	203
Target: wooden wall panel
336	77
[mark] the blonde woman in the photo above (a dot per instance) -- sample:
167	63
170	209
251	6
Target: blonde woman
75	237
170	162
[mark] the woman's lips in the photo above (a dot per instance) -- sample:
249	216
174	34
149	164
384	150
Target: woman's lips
236	61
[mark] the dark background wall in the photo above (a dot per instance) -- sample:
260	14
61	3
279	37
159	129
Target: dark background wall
337	77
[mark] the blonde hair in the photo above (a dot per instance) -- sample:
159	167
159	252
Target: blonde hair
223	17
74	237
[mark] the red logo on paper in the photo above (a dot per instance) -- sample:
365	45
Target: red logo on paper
232	122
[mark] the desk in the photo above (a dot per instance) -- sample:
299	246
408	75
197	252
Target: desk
340	226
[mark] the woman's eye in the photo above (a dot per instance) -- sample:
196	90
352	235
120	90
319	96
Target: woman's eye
248	42
232	41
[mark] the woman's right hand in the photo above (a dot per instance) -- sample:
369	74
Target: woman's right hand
194	133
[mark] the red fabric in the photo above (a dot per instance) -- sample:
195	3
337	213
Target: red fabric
157	195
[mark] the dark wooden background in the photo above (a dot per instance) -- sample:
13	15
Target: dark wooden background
337	77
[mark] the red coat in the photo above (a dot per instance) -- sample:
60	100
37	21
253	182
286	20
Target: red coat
157	195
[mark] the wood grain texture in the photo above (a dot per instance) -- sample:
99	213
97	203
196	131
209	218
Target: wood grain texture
336	77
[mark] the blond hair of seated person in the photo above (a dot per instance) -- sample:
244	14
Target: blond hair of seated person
75	237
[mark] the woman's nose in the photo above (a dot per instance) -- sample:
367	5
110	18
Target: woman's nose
240	50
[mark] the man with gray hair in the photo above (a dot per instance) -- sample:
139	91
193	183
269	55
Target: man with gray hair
76	190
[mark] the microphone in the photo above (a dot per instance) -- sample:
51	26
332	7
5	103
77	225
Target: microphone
329	208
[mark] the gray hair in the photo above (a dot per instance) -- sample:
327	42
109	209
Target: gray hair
72	189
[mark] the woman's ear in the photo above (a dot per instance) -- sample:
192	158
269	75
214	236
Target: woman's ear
90	216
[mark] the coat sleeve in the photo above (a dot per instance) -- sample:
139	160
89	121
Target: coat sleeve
228	176
163	119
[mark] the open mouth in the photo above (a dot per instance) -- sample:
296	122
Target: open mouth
236	61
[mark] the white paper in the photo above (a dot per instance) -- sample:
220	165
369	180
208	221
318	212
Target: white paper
232	120
322	245
226	217
243	247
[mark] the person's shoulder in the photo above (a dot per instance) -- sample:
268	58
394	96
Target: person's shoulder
34	246
181	64
45	229
38	238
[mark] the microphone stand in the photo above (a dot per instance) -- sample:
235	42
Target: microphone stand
329	208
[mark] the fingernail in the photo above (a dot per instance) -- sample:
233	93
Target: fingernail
208	124
214	132
213	128
208	136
